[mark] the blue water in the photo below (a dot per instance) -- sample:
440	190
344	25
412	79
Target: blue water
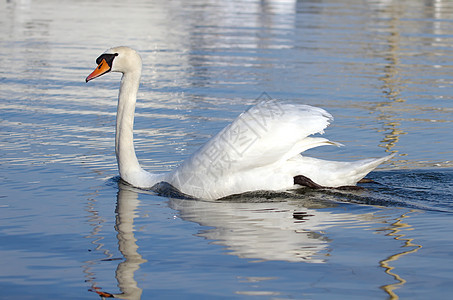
69	228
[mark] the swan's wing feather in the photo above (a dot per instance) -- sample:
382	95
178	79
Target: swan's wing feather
265	134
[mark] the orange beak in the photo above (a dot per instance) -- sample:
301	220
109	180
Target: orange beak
101	69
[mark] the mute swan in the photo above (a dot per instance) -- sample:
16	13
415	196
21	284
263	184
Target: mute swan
260	150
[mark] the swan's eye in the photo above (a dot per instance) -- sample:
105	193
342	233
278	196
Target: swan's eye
107	57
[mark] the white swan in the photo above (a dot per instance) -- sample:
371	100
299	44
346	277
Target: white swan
260	150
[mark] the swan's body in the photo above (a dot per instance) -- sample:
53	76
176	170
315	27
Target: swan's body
260	150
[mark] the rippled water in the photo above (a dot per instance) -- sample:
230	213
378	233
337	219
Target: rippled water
69	228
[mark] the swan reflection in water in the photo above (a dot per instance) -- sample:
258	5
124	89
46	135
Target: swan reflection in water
262	228
126	207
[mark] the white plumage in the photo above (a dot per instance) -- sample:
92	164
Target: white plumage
260	150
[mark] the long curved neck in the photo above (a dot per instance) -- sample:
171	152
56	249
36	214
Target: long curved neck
128	166
124	140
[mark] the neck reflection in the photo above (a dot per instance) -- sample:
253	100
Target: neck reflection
126	207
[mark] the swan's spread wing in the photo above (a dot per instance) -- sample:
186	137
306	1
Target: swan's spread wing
266	134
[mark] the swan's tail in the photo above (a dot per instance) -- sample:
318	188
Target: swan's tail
362	167
336	174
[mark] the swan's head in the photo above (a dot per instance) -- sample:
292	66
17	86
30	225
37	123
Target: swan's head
119	59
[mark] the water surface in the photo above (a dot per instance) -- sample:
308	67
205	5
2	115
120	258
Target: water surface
69	228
